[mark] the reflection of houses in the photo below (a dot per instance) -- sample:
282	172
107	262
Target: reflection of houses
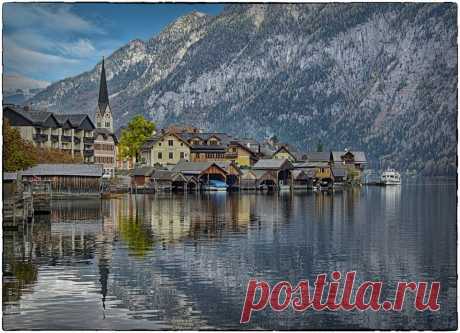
66	179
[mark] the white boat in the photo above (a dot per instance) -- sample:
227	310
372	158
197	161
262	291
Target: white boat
390	177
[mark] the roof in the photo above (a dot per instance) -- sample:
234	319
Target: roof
162	175
36	117
103	100
272	164
143	171
360	156
308	164
339	172
105	133
318	156
299	174
194	168
84	170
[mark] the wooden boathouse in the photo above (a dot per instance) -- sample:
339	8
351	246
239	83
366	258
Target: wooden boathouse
65	179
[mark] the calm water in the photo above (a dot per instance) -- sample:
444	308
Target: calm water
183	262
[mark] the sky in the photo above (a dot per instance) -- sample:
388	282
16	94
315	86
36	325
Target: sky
52	41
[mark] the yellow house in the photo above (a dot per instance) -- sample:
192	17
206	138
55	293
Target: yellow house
240	154
168	148
284	153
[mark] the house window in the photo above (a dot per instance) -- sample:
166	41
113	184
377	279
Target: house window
234	149
171	156
107	124
170	142
160	155
159	143
182	155
98	124
181	144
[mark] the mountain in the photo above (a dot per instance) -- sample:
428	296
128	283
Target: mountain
375	77
17	88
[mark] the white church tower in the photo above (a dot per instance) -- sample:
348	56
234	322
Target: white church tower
104	117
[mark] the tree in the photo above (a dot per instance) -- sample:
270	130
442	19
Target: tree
319	147
18	154
139	130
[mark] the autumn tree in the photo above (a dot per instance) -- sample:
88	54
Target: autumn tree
17	153
139	130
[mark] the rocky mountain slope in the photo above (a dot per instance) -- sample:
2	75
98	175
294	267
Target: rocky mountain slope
381	78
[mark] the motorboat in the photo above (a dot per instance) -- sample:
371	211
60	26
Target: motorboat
390	177
216	185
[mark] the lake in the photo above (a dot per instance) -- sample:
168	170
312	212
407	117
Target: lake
173	261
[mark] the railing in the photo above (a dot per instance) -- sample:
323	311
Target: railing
88	140
76	140
41	137
54	137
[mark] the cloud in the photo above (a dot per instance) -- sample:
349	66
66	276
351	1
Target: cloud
57	18
32	63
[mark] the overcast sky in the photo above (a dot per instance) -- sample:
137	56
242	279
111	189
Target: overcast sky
53	41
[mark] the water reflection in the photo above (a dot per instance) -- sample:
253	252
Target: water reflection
183	261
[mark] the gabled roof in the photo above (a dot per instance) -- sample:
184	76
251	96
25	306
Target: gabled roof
86	170
143	171
75	119
194	168
36	118
163	175
299	174
287	149
272	164
359	156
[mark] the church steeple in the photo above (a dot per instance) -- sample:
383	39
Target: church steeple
104	117
103	100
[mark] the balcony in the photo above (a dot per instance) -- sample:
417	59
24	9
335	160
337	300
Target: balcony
40	137
76	140
88	152
88	140
66	138
54	138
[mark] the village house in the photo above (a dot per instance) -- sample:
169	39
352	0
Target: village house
165	148
71	133
357	159
241	154
286	151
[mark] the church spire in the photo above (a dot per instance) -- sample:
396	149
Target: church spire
103	100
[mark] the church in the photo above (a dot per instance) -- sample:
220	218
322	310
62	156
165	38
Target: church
105	140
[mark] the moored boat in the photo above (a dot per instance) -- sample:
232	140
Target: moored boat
215	185
390	177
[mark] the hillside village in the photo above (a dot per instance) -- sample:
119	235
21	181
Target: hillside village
183	156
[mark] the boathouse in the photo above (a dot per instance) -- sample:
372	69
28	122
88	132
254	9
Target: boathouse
141	176
202	171
300	180
339	174
281	168
248	180
162	180
65	179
